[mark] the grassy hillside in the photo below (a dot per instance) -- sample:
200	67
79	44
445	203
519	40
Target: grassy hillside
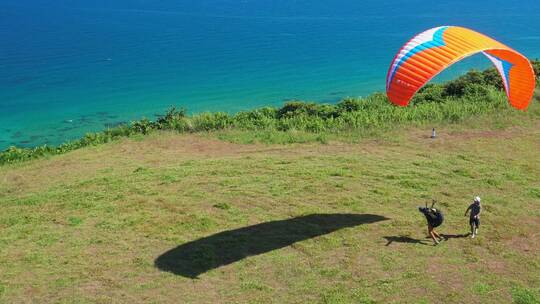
183	218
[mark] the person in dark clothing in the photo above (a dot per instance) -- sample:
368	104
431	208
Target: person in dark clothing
434	219
474	218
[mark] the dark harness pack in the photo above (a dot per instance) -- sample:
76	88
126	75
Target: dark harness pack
434	218
438	218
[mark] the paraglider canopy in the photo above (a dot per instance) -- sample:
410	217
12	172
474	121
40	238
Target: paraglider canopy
429	53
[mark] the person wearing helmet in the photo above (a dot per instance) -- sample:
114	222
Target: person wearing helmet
474	219
434	219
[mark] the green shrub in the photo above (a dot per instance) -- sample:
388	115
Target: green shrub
211	121
431	93
493	78
349	105
536	66
174	119
143	126
298	108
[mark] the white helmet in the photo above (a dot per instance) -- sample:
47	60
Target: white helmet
477	199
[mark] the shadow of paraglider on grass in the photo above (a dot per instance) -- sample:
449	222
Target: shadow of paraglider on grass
197	257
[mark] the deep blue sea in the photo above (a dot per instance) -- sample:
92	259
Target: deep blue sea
69	67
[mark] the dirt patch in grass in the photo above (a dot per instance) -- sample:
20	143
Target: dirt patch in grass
119	157
159	150
528	242
172	145
459	136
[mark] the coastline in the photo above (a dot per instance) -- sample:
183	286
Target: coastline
364	116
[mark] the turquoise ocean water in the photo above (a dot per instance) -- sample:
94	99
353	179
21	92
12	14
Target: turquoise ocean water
72	67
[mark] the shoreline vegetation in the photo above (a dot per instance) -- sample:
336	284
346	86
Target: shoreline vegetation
477	93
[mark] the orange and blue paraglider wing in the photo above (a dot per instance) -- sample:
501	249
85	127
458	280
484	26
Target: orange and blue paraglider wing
432	51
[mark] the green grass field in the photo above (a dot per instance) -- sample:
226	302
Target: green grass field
172	218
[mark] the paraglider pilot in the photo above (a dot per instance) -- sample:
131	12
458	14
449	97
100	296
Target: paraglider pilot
434	219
